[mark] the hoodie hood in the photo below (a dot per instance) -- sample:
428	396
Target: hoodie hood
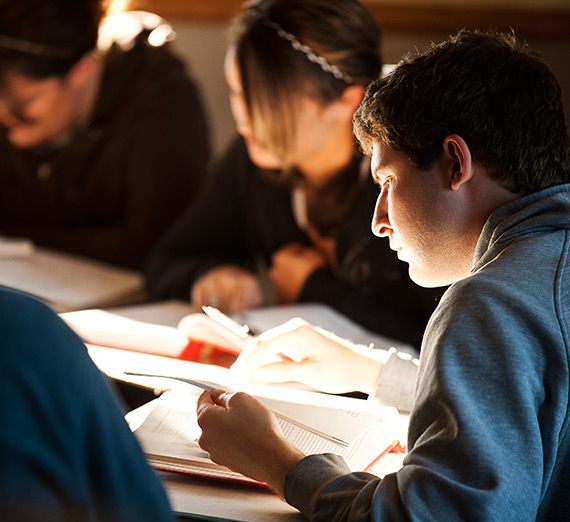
548	209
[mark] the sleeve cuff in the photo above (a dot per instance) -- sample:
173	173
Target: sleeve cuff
397	382
308	477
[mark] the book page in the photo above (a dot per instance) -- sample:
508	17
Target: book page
340	417
169	436
200	326
337	419
117	362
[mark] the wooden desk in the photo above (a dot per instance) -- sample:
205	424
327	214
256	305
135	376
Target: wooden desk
195	498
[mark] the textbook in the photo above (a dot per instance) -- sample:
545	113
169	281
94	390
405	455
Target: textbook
360	431
196	337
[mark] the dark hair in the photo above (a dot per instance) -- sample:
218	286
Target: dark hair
499	96
42	38
273	71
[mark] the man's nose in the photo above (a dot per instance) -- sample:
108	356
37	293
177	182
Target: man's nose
380	222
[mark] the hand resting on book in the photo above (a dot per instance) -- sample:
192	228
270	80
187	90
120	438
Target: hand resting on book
298	351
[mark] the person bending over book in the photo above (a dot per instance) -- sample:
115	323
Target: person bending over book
283	219
103	138
66	451
471	153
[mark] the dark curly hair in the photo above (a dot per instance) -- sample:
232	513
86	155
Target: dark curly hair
490	89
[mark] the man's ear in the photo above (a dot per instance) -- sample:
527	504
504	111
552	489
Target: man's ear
458	156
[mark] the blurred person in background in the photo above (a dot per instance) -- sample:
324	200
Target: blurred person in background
285	215
103	139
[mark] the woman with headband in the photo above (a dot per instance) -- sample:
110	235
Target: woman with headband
103	140
283	219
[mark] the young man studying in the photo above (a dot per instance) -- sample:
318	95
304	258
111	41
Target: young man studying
470	150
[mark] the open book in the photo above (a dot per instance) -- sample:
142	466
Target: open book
195	338
360	431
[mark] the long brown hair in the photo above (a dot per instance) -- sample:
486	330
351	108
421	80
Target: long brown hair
340	32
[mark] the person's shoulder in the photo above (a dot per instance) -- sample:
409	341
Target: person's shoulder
23	315
19	310
469	303
472	290
11	298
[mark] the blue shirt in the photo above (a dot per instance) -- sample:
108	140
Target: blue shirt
66	452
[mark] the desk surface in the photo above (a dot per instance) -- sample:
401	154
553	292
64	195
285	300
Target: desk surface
70	282
197	498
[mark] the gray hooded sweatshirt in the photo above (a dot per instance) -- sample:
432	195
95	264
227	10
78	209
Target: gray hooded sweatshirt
489	434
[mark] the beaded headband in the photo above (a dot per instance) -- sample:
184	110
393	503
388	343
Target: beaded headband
322	62
37	49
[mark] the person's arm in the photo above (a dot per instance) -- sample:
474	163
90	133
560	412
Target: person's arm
482	441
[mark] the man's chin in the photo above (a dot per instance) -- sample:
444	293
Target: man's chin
422	279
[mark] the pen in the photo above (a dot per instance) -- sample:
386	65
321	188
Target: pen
240	330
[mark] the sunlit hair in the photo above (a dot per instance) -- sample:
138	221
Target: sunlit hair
274	69
491	90
42	38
